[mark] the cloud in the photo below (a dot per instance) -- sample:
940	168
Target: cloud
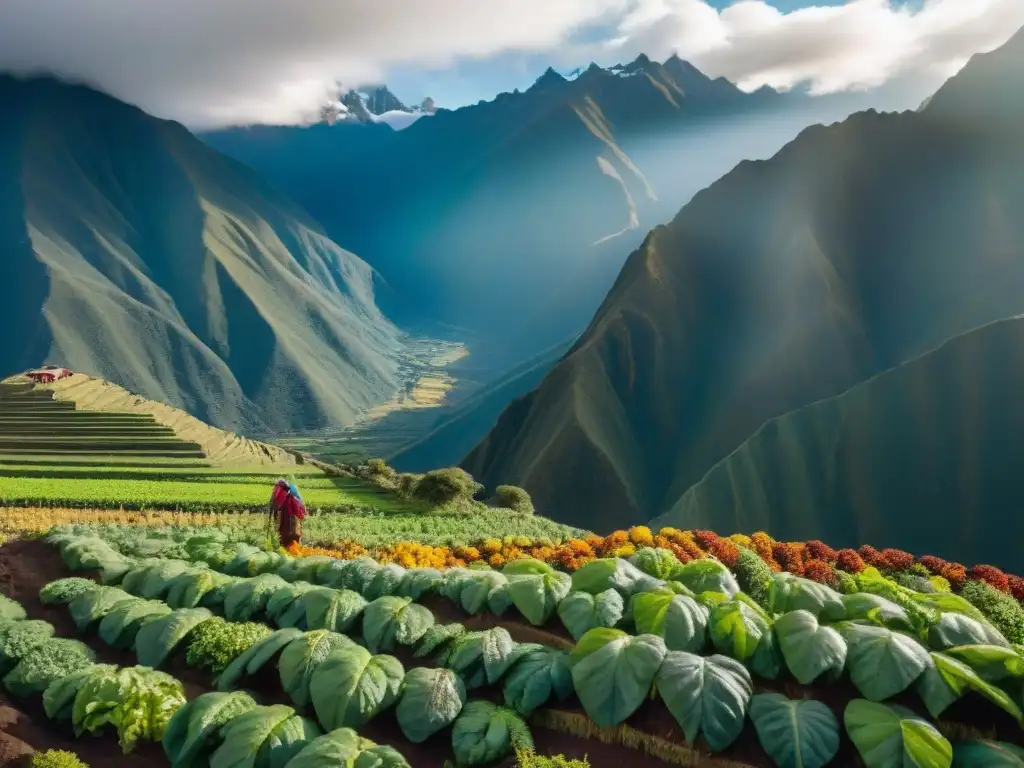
855	46
215	62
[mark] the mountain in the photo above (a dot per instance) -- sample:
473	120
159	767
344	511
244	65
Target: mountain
519	211
375	104
856	248
923	457
144	257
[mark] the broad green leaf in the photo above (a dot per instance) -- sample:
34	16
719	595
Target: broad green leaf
418	582
249	597
339	747
539	674
436	637
476	588
795	734
795	593
987	754
612	573
119	627
881	662
284	597
527	566
894	737
351	687
655	561
59	696
250	661
156	640
613	672
706	575
736	629
386	581
379	756
390	620
431	699
191	733
954	629
581	611
706	696
864	606
767	661
46	663
810	649
264	737
333	609
301	658
157	580
93	605
484	733
680	620
992	662
537	596
947	679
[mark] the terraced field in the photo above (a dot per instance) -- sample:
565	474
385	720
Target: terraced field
52	453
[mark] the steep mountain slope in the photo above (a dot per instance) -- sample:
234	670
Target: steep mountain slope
855	248
144	257
518	212
925	456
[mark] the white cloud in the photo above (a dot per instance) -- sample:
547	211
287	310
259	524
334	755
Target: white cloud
208	62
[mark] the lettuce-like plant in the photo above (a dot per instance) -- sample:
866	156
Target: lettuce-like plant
63	591
810	649
613	573
882	663
137	701
536	676
302	656
93	605
706	696
612	672
249	597
795	734
252	660
120	627
158	639
655	561
45	663
390	620
484	733
894	737
351	687
214	644
431	699
947	679
17	638
680	620
344	747
59	696
580	611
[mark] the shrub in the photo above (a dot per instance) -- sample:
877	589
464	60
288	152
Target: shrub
846	583
754	576
513	497
406	484
56	758
991	576
380	467
442	486
849	560
913	581
528	759
1000	608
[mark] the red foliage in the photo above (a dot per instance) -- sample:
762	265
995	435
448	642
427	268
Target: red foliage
934	564
896	559
820	571
1017	587
790	557
991	576
762	544
819	550
871	556
705	539
726	551
848	560
681	554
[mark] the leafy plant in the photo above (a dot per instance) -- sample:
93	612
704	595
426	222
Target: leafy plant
526	758
706	696
192	732
484	733
351	687
390	620
795	593
537	595
59	696
333	609
137	701
17	638
680	620
795	734
987	754
344	747
999	608
737	627
706	575
655	561
483	657
56	758
252	659
580	611
94	604
63	591
249	597
513	497
263	737
535	677
121	625
613	573
894	737
11	610
431	699
754	577
612	672
216	643
438	637
882	663
46	663
810	649
301	657
442	486
947	679
158	639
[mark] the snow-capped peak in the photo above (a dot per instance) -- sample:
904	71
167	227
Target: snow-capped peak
371	104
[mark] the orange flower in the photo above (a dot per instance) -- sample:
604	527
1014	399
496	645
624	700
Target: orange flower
641	536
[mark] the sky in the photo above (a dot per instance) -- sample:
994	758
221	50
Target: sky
209	63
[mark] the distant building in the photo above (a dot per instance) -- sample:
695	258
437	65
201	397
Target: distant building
48	374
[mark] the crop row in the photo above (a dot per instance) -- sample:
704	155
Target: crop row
137	701
344	683
814	634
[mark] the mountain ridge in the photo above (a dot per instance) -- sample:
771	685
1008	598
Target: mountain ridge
787	281
152	261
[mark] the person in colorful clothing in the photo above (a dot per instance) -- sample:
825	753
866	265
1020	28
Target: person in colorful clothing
288	510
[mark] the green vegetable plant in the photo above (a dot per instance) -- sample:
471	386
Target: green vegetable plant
214	644
56	758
